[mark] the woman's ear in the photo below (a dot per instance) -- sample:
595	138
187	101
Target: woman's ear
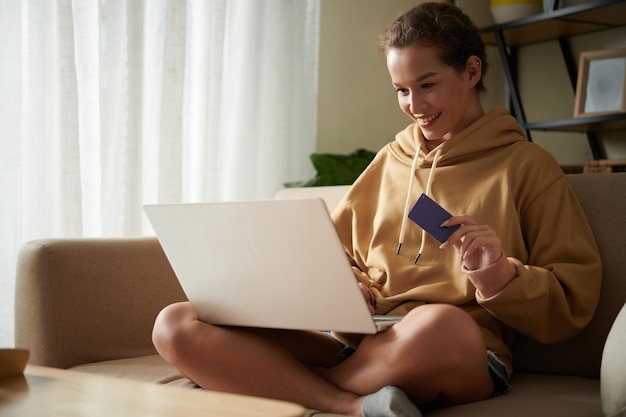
473	68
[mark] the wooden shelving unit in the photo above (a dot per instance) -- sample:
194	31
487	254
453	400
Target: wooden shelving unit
558	24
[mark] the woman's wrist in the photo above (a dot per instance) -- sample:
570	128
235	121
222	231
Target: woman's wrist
491	280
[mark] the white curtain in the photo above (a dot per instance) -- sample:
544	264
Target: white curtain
106	105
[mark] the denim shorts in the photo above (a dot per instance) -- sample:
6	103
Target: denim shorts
499	374
497	369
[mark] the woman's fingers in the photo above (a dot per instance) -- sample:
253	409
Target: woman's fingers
477	244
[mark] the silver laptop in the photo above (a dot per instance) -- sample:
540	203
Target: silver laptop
272	264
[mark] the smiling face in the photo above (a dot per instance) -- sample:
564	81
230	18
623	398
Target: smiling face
442	100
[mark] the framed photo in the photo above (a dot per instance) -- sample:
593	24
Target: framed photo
601	84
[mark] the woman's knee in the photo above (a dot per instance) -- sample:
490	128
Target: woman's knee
442	324
169	329
440	336
435	352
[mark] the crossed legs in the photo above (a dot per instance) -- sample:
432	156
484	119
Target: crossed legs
436	355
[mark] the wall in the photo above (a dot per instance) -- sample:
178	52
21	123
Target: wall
357	105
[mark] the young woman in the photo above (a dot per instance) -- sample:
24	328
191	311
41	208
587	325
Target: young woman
523	258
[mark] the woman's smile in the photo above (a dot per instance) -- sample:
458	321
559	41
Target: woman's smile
425	121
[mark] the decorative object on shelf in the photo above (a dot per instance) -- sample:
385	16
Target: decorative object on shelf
507	10
604	165
601	84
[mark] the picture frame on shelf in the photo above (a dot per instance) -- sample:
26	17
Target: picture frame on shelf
601	84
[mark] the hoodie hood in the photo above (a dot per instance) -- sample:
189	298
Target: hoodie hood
497	125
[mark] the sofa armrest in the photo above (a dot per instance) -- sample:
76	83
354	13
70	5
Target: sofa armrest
88	300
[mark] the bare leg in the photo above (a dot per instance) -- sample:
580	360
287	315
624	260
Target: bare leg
436	354
243	361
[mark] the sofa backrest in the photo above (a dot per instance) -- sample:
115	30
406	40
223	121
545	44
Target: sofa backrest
331	195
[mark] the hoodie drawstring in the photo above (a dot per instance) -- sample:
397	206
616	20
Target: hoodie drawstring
408	200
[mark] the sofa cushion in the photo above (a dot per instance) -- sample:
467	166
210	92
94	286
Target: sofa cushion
613	371
537	395
532	395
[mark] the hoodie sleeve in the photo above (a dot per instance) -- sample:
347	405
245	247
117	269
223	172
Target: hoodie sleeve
557	287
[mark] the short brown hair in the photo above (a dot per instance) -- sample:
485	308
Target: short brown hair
439	25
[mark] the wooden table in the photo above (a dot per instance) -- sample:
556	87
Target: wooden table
46	392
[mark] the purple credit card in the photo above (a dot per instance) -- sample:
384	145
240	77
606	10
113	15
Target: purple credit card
429	215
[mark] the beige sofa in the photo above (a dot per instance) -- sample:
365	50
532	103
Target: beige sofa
89	304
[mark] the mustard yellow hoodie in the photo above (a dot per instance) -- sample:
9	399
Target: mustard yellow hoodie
491	173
